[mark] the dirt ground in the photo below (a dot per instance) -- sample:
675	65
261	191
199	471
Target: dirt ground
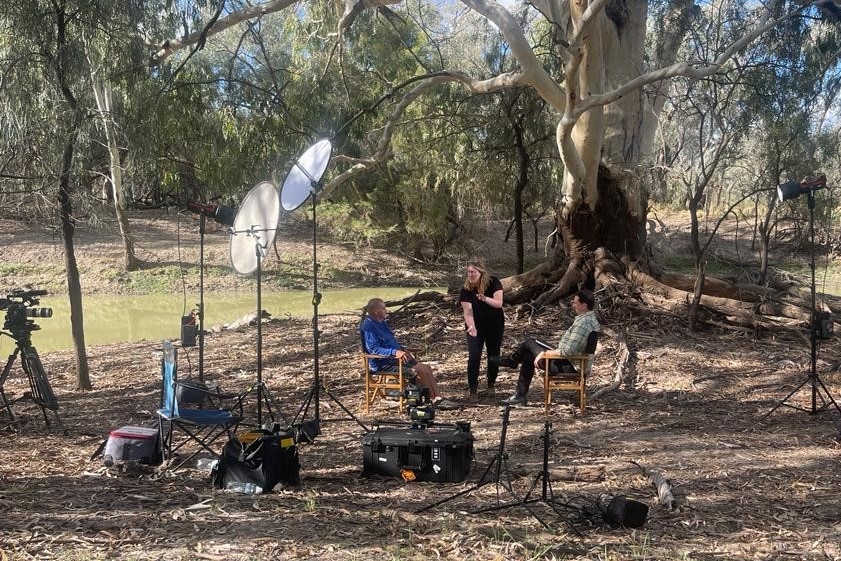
749	481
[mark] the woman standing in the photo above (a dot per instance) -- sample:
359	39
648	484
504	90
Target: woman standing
481	302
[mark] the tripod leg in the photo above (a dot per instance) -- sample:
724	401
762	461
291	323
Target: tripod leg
305	406
786	398
42	391
482	481
828	395
272	405
6	404
351	416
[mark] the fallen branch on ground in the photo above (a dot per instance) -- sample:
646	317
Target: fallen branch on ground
572	473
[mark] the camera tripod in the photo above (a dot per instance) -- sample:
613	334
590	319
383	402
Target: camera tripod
41	392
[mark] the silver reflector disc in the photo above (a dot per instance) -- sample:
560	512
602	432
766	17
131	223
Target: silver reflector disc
254	227
306	172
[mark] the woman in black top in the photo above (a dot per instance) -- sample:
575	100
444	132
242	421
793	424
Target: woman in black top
481	302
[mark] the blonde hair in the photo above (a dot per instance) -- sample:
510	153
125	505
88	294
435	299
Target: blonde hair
484	276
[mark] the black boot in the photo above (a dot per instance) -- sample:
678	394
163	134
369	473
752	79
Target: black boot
509	361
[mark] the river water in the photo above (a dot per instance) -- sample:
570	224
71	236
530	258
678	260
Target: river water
113	319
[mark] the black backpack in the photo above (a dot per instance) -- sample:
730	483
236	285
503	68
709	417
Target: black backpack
266	460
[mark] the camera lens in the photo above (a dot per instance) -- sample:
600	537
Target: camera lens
39	312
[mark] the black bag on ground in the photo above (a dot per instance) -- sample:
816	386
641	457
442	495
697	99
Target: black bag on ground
258	457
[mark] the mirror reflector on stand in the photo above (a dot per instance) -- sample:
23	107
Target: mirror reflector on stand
256	222
304	175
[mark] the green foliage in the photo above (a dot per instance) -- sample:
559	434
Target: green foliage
354	222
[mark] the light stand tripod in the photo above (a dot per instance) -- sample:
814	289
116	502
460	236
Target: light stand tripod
225	216
815	383
253	231
496	465
202	224
547	496
303	181
313	428
263	393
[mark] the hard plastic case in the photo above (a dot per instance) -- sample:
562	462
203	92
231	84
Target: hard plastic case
441	454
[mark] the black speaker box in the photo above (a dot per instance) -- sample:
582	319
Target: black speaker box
189	331
626	512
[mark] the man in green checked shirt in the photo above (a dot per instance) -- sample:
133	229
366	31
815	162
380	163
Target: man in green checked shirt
573	342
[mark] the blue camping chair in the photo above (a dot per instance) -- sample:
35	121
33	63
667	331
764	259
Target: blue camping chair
202	427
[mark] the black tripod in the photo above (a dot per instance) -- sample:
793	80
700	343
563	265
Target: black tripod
312	428
818	389
41	392
263	393
225	216
264	396
547	496
497	465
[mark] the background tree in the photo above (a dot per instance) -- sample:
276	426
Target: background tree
409	96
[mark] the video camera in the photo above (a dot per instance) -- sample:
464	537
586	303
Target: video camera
419	407
20	306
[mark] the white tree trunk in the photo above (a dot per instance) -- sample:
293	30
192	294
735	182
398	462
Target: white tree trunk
102	93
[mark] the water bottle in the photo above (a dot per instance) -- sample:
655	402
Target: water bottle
245	488
207	463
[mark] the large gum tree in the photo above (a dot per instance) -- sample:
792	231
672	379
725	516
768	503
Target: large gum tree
606	98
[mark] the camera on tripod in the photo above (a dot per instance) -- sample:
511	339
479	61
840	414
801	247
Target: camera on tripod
419	407
20	306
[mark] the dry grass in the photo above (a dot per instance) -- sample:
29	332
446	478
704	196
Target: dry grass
747	486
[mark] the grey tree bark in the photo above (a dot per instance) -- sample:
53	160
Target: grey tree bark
68	225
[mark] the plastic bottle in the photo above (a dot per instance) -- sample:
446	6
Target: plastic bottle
206	463
245	488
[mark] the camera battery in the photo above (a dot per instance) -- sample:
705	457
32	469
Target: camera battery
440	454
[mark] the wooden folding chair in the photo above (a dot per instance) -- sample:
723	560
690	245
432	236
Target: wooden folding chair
569	381
379	384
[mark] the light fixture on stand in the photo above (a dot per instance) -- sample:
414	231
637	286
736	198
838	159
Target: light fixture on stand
303	181
253	232
223	215
817	324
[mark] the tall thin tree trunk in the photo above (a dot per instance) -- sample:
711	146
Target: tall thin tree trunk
68	225
522	183
74	285
765	228
102	93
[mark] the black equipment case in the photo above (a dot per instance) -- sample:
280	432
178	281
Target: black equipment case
436	453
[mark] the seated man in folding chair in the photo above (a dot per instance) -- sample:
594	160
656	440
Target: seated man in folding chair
573	342
380	340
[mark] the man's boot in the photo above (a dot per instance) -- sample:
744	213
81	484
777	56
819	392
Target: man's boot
507	361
